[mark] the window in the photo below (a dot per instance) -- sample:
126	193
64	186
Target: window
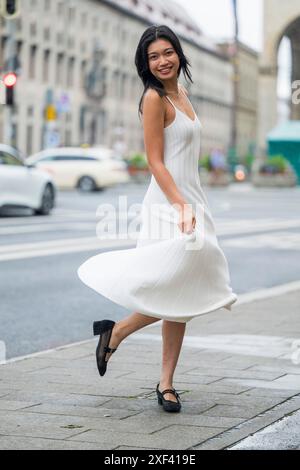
47	34
72	14
60	68
29	145
68	138
46	66
8	159
83	72
47	5
70	72
32	62
70	158
83	19
60	9
46	159
33	29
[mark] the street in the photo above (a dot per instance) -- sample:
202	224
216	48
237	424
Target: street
43	303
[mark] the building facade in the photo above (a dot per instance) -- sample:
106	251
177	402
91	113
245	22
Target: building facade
78	82
281	19
247	95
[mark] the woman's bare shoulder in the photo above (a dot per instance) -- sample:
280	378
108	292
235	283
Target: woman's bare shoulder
152	100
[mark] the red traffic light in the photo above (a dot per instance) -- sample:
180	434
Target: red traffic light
10	79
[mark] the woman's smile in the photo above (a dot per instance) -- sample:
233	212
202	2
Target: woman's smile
166	70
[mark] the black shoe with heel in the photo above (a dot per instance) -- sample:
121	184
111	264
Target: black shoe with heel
104	329
168	405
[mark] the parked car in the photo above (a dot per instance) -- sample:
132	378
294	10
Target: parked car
24	186
87	169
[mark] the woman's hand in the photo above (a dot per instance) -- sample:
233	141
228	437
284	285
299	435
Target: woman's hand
187	220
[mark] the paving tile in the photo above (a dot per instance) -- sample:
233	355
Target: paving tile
283	383
15	405
27	443
171	437
58	400
234	411
81	411
244	374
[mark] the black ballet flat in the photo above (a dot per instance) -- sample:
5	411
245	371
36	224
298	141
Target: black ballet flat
168	405
104	329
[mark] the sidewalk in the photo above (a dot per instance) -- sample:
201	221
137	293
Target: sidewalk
236	375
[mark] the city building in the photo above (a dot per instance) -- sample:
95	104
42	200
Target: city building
247	95
77	80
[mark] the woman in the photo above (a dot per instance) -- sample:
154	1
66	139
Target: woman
163	277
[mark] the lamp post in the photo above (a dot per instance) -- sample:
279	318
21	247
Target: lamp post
235	84
95	87
10	10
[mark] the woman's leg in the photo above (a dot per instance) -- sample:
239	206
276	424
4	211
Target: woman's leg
128	325
173	334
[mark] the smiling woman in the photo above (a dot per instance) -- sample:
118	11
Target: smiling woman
177	271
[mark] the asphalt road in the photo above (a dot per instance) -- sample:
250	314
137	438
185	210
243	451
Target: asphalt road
44	304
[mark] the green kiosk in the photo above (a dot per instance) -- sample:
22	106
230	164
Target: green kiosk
284	140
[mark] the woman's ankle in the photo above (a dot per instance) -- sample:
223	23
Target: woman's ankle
165	384
119	332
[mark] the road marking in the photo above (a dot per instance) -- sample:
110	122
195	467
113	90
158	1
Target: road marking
267	292
35	228
223	227
282	240
277	240
255	225
55	247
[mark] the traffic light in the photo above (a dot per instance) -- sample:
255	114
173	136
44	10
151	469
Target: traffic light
9	8
10	80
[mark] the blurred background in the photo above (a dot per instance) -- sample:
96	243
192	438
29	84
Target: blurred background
68	76
71	139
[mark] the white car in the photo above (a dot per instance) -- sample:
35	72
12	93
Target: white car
87	169
23	186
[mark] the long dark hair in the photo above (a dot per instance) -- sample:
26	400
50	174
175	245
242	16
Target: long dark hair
141	59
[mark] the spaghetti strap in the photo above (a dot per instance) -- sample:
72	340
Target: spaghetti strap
169	99
176	108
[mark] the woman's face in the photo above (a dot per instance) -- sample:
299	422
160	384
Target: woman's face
163	60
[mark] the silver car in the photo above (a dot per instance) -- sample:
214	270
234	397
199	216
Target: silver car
23	185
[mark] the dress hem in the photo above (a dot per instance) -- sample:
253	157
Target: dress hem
226	303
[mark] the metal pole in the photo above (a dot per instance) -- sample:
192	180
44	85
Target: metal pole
10	53
233	139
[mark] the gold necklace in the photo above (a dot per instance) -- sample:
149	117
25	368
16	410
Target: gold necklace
174	93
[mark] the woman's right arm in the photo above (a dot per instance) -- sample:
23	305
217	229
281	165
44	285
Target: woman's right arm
153	123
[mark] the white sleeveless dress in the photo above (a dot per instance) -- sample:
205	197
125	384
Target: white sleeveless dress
168	275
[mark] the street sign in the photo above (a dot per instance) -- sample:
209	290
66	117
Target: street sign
50	114
51	139
63	104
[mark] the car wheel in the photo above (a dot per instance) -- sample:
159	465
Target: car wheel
86	184
47	202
